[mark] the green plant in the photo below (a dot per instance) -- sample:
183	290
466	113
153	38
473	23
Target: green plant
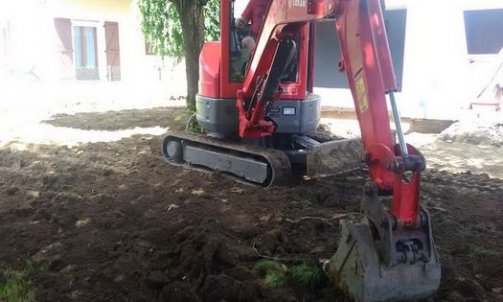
178	28
477	252
193	125
276	275
160	22
276	279
265	266
308	275
15	285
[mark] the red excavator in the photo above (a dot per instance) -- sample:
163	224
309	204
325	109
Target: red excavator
258	114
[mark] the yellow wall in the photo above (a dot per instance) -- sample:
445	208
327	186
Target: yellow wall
110	5
99	8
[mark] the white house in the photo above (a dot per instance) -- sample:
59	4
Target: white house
444	53
85	49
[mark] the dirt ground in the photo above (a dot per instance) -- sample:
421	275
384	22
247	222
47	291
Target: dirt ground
115	222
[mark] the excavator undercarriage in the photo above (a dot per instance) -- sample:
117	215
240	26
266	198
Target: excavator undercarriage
262	162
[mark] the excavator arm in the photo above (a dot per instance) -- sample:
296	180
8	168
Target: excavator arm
367	61
394	244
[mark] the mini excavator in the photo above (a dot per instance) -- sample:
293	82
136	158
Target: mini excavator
257	116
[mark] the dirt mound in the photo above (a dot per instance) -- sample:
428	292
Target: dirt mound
474	133
205	264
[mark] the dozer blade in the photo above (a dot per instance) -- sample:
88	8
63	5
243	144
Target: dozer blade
335	158
358	269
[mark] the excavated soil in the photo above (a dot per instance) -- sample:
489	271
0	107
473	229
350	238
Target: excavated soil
115	222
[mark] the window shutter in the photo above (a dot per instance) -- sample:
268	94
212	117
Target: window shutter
63	28
113	51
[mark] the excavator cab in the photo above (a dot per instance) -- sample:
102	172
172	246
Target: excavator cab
240	54
223	66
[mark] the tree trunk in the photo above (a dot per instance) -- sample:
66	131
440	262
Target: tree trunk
192	21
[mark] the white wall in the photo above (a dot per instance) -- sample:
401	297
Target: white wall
34	44
435	61
27	38
440	79
33	36
81	14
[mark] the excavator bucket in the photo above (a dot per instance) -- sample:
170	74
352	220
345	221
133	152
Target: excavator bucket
335	158
360	270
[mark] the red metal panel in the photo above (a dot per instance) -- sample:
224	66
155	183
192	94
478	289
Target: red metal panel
209	70
365	80
381	45
370	73
405	203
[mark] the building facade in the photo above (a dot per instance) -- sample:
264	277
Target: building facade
444	53
94	40
86	50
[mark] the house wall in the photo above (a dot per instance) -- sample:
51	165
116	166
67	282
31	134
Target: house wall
34	43
95	13
21	39
33	38
437	75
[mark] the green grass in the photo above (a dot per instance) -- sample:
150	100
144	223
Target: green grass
308	275
477	252
276	275
263	267
276	279
193	125
15	286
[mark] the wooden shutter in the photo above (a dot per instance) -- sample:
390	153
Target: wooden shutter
113	51
63	28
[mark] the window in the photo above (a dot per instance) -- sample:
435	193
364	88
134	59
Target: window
483	31
86	53
328	50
